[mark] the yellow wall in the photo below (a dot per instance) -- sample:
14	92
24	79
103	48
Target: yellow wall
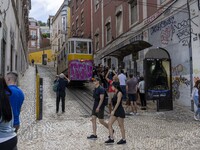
37	56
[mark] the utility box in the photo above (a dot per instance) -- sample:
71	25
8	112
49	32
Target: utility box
158	78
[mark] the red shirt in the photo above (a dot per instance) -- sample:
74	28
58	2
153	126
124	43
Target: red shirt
110	86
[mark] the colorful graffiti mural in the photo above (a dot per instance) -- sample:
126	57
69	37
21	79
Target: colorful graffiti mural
176	82
80	71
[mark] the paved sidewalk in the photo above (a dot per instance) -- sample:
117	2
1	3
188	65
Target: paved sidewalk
172	130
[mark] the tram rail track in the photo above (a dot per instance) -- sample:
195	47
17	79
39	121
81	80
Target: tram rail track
82	94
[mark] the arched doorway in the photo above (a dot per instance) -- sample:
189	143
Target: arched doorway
158	78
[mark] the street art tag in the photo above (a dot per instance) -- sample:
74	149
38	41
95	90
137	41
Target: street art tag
80	70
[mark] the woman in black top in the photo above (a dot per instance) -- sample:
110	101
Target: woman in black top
118	114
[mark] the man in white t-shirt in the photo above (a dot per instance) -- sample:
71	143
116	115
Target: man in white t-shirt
122	80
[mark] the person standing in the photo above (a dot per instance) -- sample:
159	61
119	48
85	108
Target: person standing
131	88
8	137
196	98
141	88
110	90
16	98
98	107
122	80
60	94
117	113
32	61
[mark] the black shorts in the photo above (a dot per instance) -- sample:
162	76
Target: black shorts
100	114
132	97
11	144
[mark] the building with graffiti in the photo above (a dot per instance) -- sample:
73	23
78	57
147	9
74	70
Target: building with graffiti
172	25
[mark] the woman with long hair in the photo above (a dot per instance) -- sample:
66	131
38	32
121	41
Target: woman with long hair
117	113
196	98
8	137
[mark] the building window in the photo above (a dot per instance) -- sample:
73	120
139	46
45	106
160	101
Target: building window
82	17
72	10
76	4
33	44
134	11
77	25
64	23
119	23
96	5
97	42
108	32
162	1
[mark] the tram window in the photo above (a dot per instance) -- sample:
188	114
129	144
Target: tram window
81	47
90	48
72	46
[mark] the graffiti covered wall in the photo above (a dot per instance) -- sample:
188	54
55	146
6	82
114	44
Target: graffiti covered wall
80	71
173	35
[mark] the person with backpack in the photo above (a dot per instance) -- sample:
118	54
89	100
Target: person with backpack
117	113
98	107
63	82
196	98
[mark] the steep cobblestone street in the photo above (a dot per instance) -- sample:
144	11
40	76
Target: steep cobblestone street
150	130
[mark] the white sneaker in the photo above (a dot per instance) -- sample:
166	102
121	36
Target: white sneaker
131	113
195	118
136	113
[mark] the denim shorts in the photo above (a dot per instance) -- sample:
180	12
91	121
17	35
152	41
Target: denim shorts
123	88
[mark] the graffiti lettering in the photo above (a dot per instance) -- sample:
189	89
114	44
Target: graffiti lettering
80	70
183	31
169	27
162	25
165	36
183	24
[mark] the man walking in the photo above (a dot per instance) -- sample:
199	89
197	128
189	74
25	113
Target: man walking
16	98
98	107
131	88
122	80
60	94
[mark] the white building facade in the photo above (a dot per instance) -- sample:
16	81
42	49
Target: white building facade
14	35
59	29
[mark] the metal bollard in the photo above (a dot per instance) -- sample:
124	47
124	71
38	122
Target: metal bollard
192	105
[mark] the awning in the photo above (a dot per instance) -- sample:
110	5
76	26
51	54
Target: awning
125	50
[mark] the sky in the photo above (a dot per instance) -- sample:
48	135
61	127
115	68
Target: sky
41	9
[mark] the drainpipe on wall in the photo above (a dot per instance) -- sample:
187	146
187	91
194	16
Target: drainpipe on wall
190	55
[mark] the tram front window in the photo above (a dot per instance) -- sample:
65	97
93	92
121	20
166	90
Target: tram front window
81	47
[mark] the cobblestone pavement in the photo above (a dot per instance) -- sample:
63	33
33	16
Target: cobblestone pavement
150	130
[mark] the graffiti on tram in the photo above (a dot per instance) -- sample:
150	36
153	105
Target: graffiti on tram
80	70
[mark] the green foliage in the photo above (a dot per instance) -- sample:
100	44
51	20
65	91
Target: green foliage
41	23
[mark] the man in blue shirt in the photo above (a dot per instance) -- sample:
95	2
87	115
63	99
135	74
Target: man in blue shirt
16	98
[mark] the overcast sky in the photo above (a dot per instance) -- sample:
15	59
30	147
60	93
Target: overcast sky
41	9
